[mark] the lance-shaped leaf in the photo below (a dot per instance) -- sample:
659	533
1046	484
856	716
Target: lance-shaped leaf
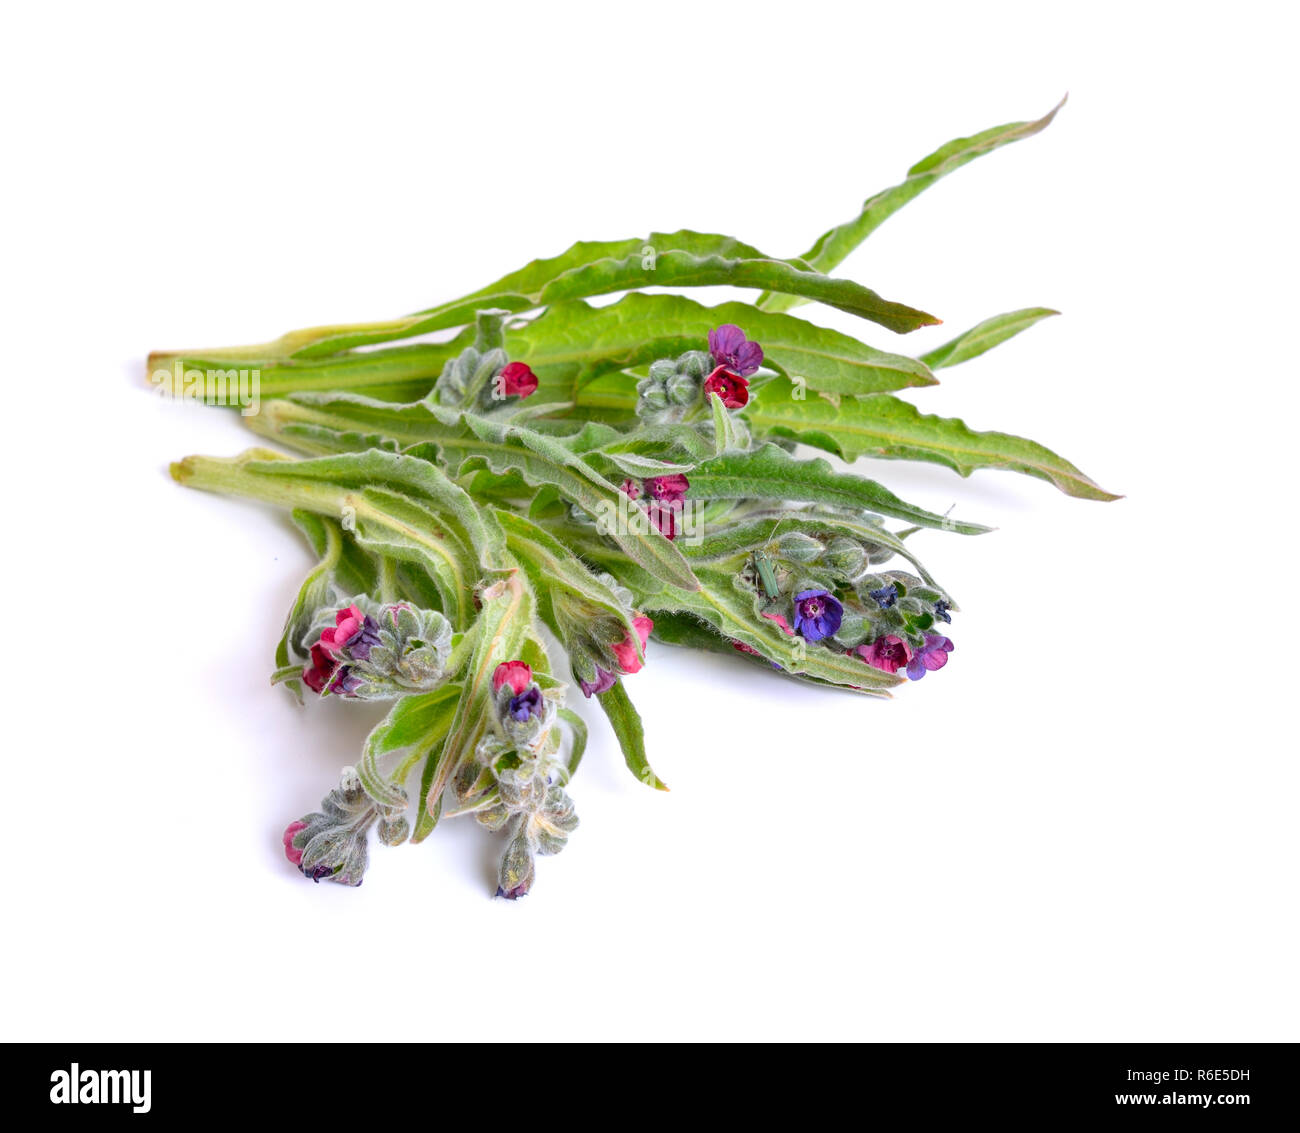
550	566
626	722
681	259
886	426
465	441
755	534
414	726
832	247
573	343
984	336
401	508
771	473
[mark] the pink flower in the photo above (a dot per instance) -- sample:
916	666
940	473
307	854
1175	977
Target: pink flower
886	653
514	673
347	624
668	489
322	667
290	850
625	650
780	620
732	388
516	380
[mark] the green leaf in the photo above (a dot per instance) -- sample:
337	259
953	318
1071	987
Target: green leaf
579	728
832	247
771	473
888	427
734	612
415	724
626	722
726	437
681	259
985	336
466	440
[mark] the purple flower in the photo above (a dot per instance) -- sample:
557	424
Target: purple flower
886	653
941	611
885	597
527	704
932	655
731	349
604	681
816	614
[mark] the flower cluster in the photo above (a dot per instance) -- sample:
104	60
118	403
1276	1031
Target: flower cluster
663	498
378	654
672	387
483	379
331	844
887	621
627	654
512	780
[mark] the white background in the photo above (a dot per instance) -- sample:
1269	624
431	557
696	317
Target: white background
1083	828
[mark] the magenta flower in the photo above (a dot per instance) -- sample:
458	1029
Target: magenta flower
733	351
932	655
886	653
290	850
731	387
668	489
516	380
353	631
625	650
326	674
817	614
780	621
605	680
516	674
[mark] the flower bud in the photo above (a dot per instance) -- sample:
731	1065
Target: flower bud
846	557
798	547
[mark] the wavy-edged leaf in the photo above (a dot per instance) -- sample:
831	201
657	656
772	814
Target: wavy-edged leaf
985	336
465	439
771	473
681	259
572	343
414	725
832	247
888	427
626	722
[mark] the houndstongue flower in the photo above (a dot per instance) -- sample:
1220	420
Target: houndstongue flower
887	653
885	597
732	388
665	497
331	844
516	380
625	652
817	614
352	630
931	656
941	611
732	351
371	652
517	674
